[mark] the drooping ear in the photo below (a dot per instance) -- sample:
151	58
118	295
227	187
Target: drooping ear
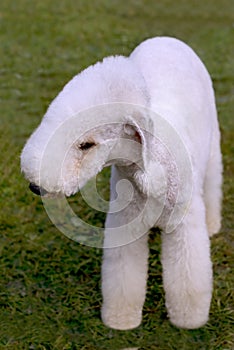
150	176
134	132
137	133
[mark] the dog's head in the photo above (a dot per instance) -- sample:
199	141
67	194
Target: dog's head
62	159
82	130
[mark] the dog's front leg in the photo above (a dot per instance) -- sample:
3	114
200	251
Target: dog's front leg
124	275
125	265
187	269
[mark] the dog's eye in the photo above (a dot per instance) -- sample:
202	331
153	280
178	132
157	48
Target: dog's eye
86	145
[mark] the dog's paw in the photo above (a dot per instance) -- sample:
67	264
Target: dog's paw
190	313
189	321
121	318
213	226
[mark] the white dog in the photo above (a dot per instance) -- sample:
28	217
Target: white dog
152	116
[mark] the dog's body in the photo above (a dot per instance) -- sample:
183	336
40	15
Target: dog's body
162	98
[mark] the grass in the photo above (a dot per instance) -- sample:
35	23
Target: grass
50	286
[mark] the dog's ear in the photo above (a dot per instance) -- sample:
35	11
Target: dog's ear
138	134
150	176
132	130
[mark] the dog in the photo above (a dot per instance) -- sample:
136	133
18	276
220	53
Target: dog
152	118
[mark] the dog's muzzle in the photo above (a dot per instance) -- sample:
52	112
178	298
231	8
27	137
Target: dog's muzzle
37	189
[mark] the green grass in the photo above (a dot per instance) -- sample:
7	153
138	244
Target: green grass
50	286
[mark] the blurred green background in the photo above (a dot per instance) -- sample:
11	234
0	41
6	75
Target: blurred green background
50	286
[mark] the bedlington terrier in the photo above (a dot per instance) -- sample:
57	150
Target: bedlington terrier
152	118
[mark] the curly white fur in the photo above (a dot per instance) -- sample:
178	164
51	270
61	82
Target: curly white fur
163	76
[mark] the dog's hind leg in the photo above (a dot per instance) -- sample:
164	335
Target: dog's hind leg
187	269
213	187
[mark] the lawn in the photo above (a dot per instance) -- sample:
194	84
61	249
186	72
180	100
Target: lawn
49	285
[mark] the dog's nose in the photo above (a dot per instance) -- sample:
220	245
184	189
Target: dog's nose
37	189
